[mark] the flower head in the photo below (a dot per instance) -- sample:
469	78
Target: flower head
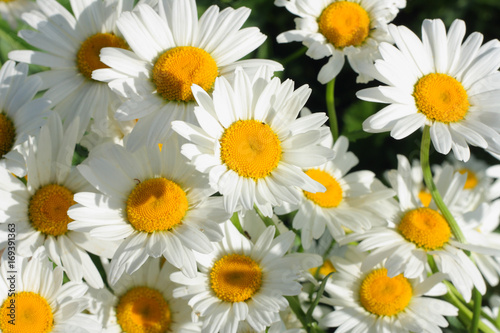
440	82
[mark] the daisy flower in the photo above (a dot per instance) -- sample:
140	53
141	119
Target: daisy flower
345	203
143	302
39	208
250	143
339	29
20	115
152	202
477	185
494	189
172	50
69	45
36	301
439	82
479	227
11	10
416	232
242	281
374	301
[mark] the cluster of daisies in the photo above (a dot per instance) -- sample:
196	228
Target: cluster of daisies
209	199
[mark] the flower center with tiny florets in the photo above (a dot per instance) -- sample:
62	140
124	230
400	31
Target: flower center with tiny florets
333	194
385	296
471	181
48	209
344	23
31	311
7	134
143	310
156	204
235	278
425	227
441	97
250	148
88	57
179	68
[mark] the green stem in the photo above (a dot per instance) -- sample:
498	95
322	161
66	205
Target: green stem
429	182
464	314
294	303
294	55
236	222
267	221
330	106
476	313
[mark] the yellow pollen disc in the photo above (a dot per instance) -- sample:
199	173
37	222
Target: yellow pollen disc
177	69
385	296
31	311
235	278
425	198
250	148
143	310
48	209
324	269
344	23
333	194
87	58
425	227
156	204
471	181
441	98
7	134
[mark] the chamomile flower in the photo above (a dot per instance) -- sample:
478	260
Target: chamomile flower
69	45
143	302
20	115
439	82
339	29
244	281
172	50
477	185
11	10
374	301
151	201
479	227
39	208
35	299
345	203
250	143
416	232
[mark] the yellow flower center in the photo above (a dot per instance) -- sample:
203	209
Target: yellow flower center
425	198
143	310
179	68
156	204
250	148
441	98
385	296
471	181
7	134
48	209
235	278
324	269
333	194
29	312
425	227
344	23
7	0
88	59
